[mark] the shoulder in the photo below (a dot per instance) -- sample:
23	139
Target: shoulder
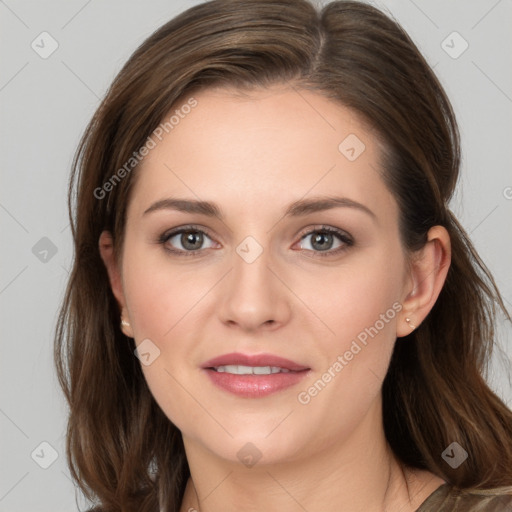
450	499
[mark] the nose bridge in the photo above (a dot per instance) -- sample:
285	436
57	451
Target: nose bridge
253	295
251	275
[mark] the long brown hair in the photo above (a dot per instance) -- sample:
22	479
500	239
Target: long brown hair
122	450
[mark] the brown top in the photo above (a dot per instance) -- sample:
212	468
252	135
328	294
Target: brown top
447	499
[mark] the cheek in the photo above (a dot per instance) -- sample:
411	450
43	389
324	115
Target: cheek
162	300
159	295
359	305
356	297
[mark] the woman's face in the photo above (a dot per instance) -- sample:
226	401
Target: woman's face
264	281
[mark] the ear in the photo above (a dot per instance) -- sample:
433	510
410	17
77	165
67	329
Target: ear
106	248
428	270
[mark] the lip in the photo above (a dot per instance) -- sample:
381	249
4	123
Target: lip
254	386
237	358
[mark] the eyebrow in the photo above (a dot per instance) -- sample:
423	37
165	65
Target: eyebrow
295	209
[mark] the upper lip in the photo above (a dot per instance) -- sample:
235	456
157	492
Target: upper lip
236	358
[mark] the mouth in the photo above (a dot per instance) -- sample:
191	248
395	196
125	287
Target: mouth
254	376
257	364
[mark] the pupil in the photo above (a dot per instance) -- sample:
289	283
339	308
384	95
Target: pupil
322	237
189	239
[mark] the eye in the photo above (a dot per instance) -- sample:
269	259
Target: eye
324	237
190	238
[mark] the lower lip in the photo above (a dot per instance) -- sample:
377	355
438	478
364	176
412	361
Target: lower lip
255	386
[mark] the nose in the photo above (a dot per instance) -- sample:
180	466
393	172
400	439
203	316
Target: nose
253	295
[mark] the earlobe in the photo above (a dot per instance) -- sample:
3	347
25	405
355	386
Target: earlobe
106	248
429	268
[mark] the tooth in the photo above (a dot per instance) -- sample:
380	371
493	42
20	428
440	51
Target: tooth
261	370
231	368
244	370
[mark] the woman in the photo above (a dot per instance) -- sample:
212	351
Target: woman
272	306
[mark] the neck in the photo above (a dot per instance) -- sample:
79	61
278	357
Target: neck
357	473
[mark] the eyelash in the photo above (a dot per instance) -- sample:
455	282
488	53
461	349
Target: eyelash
342	236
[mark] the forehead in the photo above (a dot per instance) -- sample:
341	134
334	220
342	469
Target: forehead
266	146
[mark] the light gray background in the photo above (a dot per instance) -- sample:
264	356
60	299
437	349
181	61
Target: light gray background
45	105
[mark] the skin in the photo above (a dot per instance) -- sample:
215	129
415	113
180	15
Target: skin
253	155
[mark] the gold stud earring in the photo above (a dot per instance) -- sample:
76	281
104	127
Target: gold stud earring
408	320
